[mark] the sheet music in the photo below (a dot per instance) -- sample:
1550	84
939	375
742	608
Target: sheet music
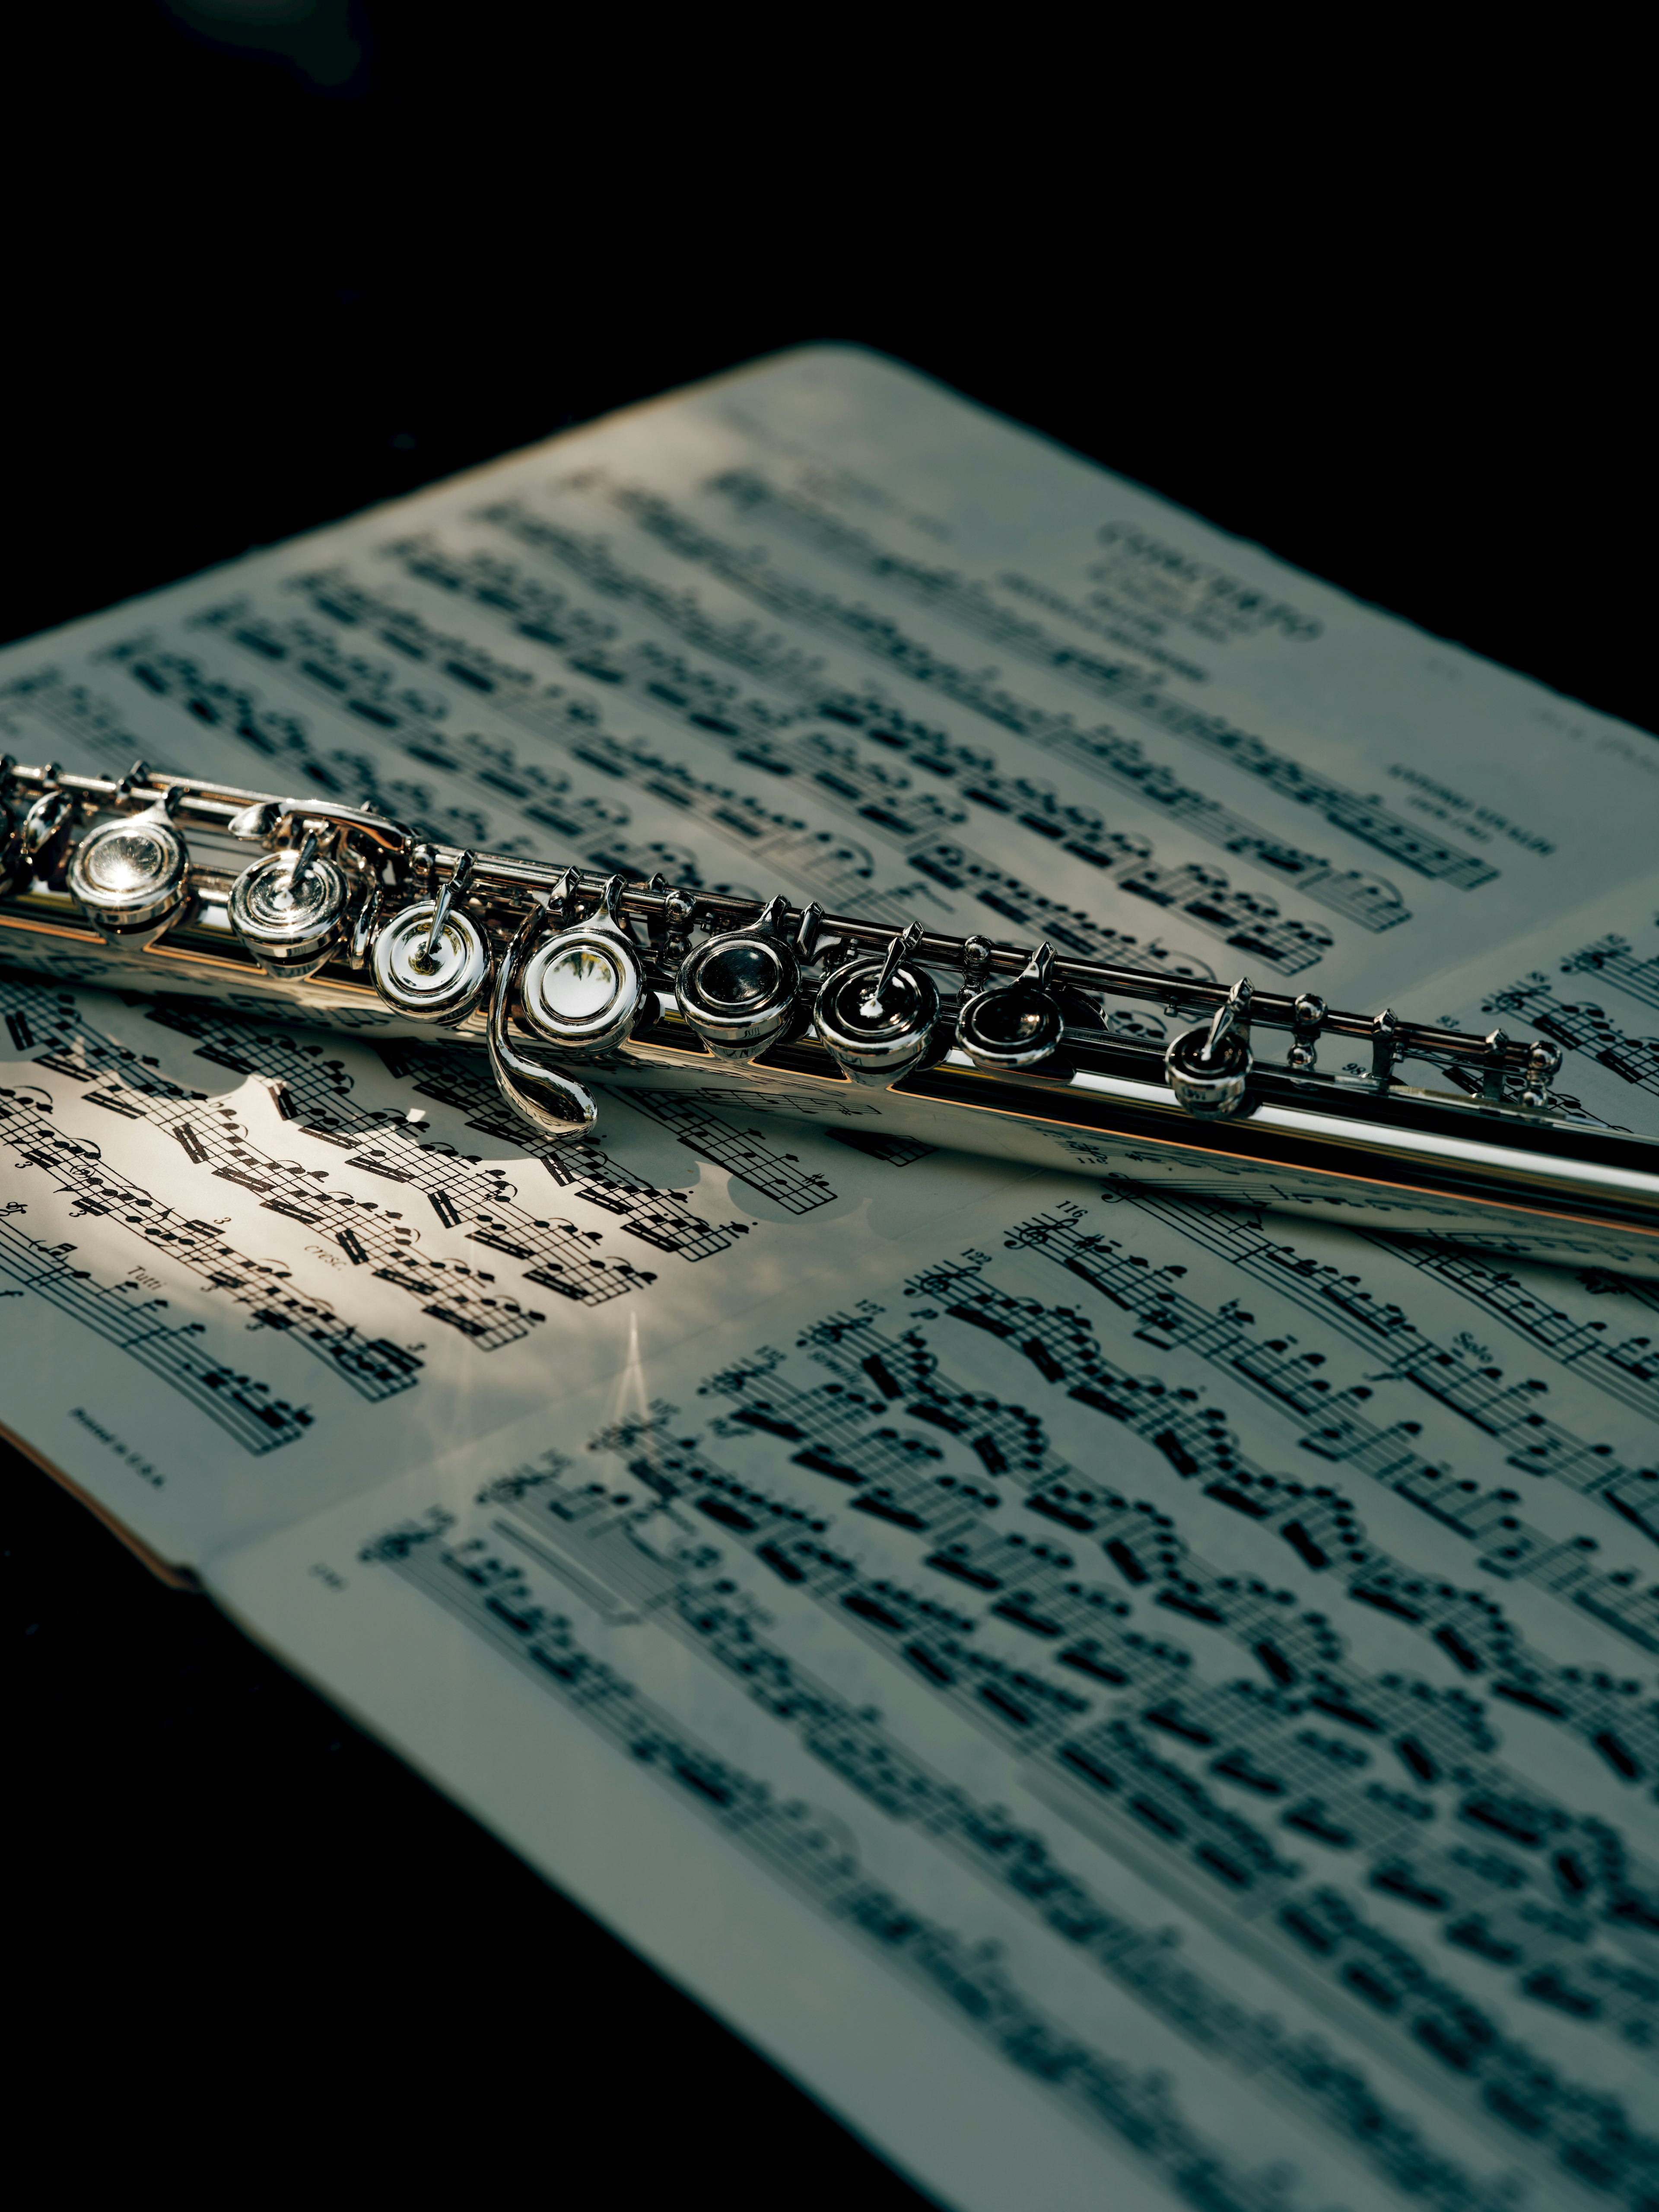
316	1259
985	1633
1194	1684
1589	983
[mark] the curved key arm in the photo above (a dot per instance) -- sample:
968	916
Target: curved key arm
560	1109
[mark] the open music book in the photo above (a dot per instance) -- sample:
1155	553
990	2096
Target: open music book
1129	1700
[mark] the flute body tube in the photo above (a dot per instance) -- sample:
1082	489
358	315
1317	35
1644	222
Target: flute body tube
569	978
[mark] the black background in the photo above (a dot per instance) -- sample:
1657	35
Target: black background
1375	304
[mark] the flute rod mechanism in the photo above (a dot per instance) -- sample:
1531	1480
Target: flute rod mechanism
515	883
342	915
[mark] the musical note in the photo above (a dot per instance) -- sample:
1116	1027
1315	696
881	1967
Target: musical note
1124	686
749	1156
1072	1624
240	1405
1582	1028
212	1139
1613	958
477	1579
316	1095
1069	929
1370	901
1249	922
619	1551
788	739
374	1368
1626	1370
1127	685
894	1151
1318	1523
72	717
1470	1387
658	1217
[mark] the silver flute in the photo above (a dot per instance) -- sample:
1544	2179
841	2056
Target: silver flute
341	917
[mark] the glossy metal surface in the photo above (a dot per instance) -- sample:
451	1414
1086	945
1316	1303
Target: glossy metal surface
877	1018
583	989
738	991
1208	1069
426	979
291	910
552	1103
997	1047
1004	1027
130	878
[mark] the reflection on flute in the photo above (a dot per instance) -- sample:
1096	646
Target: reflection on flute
343	916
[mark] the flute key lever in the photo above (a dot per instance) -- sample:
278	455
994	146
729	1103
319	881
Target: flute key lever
343	916
550	1102
1209	1068
430	960
460	877
1005	1027
876	1016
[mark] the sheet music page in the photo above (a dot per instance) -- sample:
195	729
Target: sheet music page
1102	1688
1589	980
245	1269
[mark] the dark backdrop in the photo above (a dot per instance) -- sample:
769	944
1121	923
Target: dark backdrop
1381	309
1375	306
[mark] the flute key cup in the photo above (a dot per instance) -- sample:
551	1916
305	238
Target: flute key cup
1008	1026
584	988
132	879
739	990
292	910
427	977
1208	1069
877	1016
1209	1077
